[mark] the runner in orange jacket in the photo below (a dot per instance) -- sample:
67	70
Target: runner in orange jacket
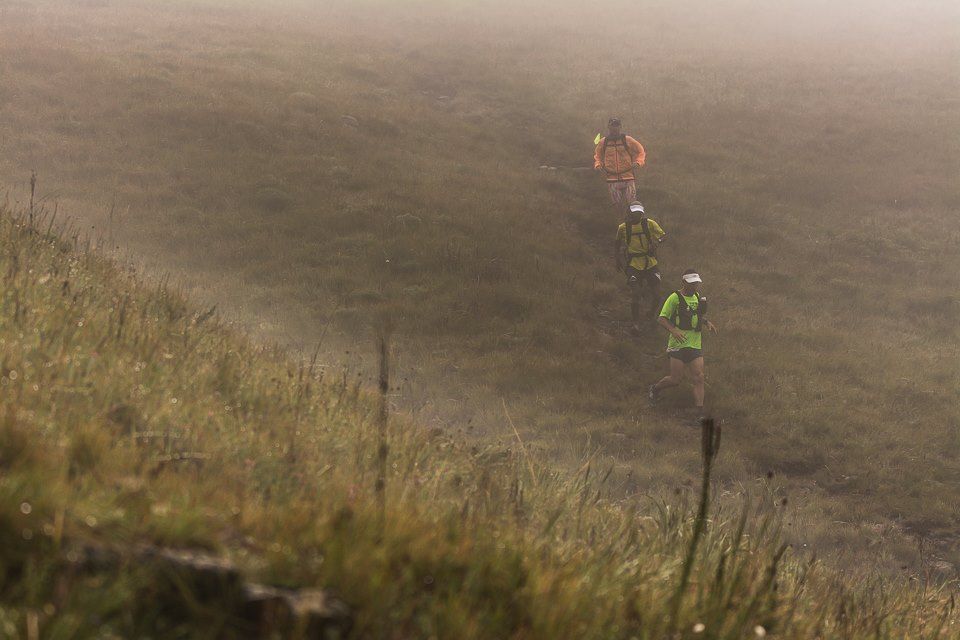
615	156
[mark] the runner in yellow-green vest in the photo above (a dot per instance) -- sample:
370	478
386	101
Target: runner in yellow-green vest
684	316
635	253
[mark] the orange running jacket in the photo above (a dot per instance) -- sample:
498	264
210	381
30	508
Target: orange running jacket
619	158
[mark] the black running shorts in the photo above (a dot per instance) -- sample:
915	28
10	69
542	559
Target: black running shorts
685	354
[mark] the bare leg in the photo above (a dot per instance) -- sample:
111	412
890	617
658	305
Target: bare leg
697	377
675	377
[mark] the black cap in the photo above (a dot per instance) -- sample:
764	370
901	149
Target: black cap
613	122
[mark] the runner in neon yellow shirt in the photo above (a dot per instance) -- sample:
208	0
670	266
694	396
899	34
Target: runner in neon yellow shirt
635	253
683	315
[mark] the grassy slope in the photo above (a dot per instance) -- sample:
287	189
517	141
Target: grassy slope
105	379
811	177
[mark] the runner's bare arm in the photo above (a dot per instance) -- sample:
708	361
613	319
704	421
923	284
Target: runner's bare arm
669	326
655	245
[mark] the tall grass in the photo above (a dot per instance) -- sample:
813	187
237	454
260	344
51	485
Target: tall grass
129	416
808	170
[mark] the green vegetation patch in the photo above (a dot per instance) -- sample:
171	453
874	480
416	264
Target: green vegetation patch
129	418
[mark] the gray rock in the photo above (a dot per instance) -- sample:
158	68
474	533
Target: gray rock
207	577
315	614
311	613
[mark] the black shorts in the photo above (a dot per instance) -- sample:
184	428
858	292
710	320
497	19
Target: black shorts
650	277
685	354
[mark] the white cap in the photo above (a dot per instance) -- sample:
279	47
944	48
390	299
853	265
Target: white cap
690	278
636	207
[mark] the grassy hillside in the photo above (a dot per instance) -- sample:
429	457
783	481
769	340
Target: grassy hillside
131	418
807	168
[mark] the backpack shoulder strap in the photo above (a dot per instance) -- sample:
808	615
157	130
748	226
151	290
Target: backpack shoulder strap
644	229
622	138
606	141
683	310
630	235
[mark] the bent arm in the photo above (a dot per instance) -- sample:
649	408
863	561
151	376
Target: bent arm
672	329
619	246
636	152
597	160
654	247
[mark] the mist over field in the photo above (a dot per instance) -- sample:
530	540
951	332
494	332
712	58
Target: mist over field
325	171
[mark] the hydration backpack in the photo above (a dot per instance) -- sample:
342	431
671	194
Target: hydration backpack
621	139
684	316
645	231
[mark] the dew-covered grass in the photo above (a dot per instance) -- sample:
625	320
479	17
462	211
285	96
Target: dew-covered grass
129	416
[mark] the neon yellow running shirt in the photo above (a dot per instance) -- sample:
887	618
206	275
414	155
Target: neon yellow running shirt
638	243
669	312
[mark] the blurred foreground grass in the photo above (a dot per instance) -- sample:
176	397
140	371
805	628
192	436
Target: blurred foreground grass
128	416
